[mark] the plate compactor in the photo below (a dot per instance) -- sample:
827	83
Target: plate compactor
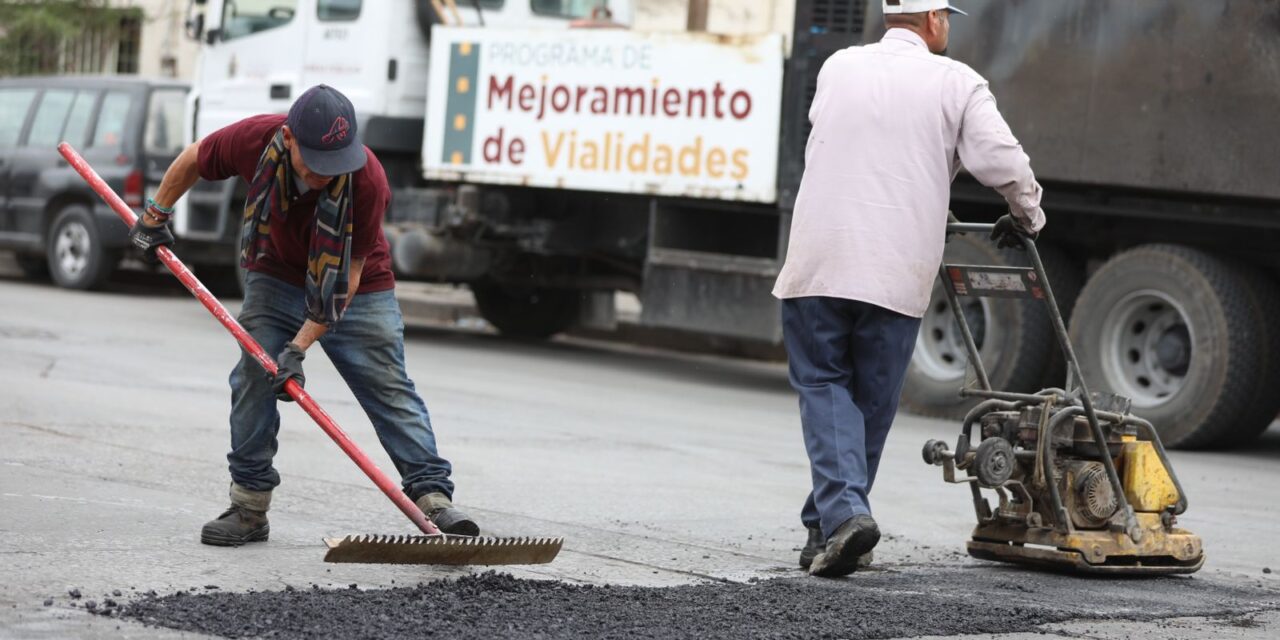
1083	484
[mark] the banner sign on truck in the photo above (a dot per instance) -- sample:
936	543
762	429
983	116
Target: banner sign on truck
606	110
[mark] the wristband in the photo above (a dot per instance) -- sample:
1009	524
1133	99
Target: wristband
151	203
161	214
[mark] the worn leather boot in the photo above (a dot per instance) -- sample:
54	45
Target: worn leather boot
440	510
817	543
812	547
244	521
845	548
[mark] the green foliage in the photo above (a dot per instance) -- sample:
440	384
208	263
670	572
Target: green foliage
33	32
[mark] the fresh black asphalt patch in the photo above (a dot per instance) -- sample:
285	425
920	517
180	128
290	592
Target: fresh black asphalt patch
885	603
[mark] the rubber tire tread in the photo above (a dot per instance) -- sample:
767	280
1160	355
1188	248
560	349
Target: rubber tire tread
102	262
1066	276
1208	279
528	314
226	281
1032	363
1264	299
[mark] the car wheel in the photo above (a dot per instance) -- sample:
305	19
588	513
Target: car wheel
76	257
1173	329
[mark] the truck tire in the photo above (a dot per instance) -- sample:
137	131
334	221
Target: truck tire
76	257
1066	277
527	313
1015	337
223	280
1172	328
1264	299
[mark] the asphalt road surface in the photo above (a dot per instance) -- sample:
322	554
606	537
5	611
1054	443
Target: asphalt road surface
676	479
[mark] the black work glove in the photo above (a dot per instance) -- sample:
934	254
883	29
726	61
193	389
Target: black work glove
1008	233
288	365
149	239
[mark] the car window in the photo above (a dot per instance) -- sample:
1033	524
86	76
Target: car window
338	9
164	121
565	8
112	118
46	128
77	128
13	113
247	17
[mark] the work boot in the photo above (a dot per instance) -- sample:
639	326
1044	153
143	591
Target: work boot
440	510
856	537
244	521
815	546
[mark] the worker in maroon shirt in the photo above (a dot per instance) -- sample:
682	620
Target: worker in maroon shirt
318	269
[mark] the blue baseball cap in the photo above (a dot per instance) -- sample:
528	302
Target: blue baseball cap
323	123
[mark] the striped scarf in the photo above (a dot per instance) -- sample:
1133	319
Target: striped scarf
329	257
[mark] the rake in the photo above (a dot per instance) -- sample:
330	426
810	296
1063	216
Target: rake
433	547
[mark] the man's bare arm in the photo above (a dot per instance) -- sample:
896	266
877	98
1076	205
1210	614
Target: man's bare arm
178	179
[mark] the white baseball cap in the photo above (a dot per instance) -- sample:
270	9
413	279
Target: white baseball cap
918	6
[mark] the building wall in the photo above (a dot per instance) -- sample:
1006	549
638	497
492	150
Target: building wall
165	49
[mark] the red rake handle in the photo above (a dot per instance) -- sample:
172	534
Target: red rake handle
220	312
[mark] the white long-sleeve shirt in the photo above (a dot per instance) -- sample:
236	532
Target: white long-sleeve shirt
892	125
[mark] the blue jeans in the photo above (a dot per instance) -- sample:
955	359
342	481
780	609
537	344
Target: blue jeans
367	348
847	360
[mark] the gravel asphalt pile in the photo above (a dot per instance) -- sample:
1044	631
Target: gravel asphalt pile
871	604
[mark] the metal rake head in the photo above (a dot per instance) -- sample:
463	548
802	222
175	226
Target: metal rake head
442	549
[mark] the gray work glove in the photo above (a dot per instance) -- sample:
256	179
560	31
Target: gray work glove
1008	233
288	365
148	239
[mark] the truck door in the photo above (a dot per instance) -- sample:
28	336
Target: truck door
350	49
252	60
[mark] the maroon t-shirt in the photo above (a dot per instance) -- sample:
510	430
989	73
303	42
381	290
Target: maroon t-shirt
234	151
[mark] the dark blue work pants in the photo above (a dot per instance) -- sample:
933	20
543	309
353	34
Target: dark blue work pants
848	360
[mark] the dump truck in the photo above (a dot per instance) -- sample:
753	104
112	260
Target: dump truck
547	168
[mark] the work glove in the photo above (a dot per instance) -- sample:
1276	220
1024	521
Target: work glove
148	239
288	365
1008	233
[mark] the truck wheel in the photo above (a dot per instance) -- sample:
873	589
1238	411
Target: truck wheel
1171	328
1066	277
1014	337
223	280
1264	299
531	313
77	259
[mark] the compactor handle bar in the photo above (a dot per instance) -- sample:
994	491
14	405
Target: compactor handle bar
1064	340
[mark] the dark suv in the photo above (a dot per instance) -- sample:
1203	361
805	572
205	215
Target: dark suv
128	128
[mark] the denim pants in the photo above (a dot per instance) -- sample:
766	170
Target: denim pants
847	360
367	348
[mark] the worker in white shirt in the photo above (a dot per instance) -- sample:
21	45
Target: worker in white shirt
893	122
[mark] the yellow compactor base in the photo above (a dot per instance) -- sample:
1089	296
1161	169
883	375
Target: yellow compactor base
1159	551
